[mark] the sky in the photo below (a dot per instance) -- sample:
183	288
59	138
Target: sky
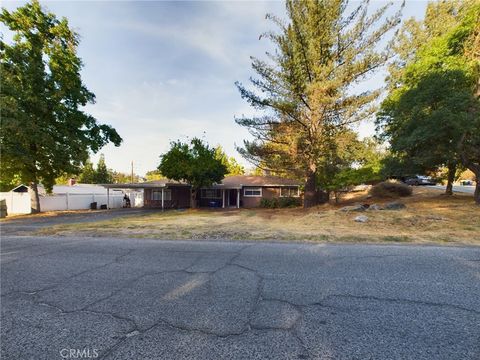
163	71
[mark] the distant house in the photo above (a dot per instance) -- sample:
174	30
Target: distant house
234	191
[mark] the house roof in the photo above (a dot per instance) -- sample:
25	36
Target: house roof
250	180
147	184
20	188
229	182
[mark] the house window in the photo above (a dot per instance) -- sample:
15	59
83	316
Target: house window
289	192
211	193
252	192
157	195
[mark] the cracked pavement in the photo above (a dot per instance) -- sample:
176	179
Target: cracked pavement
156	299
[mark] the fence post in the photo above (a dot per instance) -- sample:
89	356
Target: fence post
67	199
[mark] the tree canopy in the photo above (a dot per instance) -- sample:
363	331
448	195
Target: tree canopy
45	132
87	175
306	90
233	167
194	162
431	116
154	175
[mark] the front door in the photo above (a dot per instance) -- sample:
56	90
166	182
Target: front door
232	197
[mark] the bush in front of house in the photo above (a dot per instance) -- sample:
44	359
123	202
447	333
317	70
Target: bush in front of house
283	202
390	189
268	203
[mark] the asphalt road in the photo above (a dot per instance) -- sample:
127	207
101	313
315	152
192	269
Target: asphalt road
468	189
153	299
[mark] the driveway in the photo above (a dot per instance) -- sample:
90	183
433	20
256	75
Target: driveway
152	299
29	223
467	189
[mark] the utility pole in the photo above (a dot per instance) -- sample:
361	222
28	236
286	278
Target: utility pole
131	175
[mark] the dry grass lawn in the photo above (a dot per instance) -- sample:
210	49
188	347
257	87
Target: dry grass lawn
430	217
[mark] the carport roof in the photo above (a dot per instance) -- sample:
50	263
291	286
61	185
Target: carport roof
146	184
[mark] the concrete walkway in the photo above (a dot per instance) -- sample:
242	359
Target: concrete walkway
153	299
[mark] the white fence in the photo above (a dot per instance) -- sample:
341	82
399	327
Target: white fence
78	201
20	203
17	203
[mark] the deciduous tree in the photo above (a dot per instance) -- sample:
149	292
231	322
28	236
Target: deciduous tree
195	163
431	116
154	175
45	133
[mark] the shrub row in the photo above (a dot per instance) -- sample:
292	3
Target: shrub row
282	202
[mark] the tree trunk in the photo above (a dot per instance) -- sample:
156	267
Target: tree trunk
337	197
452	169
476	194
310	197
193	198
35	199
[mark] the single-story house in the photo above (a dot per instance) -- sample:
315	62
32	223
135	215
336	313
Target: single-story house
247	191
234	191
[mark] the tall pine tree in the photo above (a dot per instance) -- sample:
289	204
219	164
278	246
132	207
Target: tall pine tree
306	91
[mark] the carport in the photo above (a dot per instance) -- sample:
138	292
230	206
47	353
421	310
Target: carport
162	194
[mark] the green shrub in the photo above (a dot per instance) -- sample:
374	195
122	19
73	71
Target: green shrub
289	202
268	203
390	189
283	202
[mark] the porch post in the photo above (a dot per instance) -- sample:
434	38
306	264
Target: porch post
163	197
223	198
238	198
108	198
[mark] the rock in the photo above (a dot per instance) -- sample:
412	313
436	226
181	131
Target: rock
375	207
394	206
353	208
435	217
361	218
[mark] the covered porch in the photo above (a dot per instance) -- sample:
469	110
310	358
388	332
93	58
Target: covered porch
219	196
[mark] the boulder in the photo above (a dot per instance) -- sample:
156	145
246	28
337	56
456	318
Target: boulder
357	207
375	207
361	218
394	206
